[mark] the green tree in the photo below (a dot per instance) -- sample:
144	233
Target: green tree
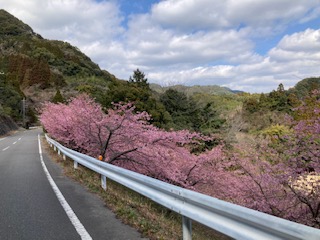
183	110
279	100
10	99
210	122
264	102
58	98
140	94
139	79
251	105
280	88
306	86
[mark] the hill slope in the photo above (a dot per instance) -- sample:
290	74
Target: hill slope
34	68
27	59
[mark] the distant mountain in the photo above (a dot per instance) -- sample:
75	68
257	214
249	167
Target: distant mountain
190	90
234	91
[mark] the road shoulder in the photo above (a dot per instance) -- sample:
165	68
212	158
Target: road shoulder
100	222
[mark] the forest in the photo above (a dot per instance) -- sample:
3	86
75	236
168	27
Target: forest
256	150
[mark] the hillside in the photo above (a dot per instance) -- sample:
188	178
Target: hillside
20	46
34	68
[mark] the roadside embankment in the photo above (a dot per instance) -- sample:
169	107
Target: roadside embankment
7	125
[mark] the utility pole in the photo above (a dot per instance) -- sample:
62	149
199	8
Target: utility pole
24	112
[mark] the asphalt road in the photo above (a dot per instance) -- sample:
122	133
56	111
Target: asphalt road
29	207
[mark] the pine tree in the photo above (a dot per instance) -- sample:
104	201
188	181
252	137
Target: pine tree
139	78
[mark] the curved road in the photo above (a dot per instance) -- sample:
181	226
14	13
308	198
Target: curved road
29	207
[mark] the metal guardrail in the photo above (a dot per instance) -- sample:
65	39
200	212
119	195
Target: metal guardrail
230	219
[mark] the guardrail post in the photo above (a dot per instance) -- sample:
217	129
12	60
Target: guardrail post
64	157
104	182
54	148
186	228
58	151
75	164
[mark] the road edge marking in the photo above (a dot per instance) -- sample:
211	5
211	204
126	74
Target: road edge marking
70	213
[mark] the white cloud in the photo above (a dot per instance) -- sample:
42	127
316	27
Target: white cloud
295	57
167	48
208	14
192	14
306	42
268	12
76	21
186	41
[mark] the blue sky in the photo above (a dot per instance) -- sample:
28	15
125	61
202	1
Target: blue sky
135	7
249	45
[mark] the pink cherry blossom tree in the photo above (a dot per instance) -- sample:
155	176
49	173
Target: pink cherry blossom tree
126	138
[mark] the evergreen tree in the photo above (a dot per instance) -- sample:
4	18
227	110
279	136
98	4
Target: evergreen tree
58	98
139	78
137	91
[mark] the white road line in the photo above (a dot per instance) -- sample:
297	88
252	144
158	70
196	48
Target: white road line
5	148
2	139
14	143
19	139
70	213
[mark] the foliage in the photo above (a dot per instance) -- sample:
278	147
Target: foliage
221	114
192	90
35	60
304	87
139	79
251	105
127	139
275	180
28	71
58	98
180	108
34	67
10	99
275	101
11	25
123	91
264	110
276	132
186	113
137	90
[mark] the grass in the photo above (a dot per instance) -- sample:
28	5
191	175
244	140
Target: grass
149	218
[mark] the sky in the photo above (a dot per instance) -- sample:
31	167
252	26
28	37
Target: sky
248	45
